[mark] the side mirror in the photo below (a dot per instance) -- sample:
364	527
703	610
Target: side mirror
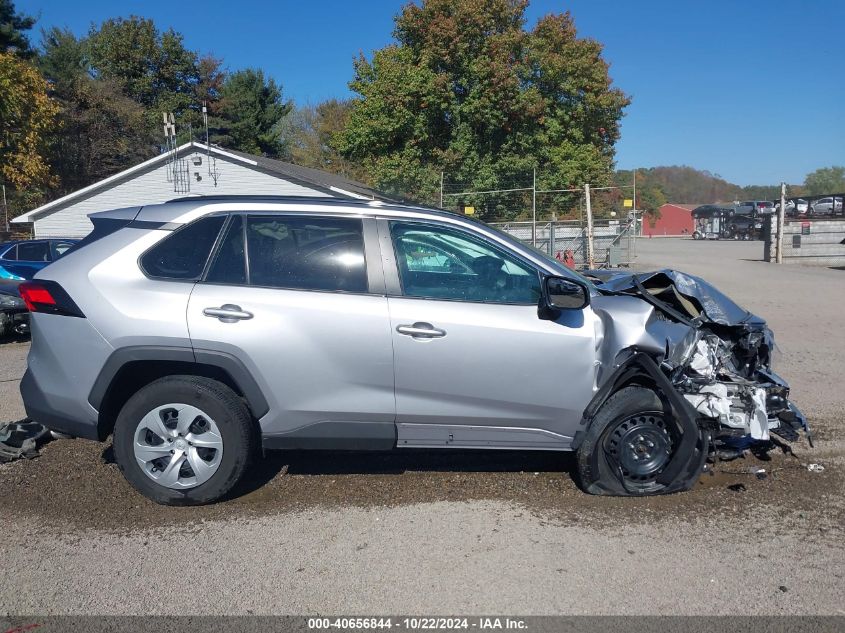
560	293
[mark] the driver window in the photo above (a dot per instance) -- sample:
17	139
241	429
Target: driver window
437	262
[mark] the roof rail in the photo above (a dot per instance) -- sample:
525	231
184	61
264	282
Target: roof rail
270	197
321	200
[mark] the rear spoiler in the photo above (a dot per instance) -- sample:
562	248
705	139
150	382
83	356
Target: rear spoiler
105	223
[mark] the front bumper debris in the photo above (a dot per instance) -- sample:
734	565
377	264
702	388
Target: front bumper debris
720	363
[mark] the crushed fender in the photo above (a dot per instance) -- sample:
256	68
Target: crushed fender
21	439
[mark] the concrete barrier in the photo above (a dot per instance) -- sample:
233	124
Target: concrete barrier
807	241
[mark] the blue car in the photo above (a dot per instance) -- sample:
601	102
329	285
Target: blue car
22	259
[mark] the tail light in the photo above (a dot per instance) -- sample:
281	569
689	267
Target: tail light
48	297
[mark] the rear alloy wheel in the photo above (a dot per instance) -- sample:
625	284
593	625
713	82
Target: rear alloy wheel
629	444
184	440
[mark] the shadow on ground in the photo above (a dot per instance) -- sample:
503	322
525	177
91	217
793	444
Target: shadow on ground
75	484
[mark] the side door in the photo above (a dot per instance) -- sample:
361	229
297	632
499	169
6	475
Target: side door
296	299
475	366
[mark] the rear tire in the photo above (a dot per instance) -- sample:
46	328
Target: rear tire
629	443
214	436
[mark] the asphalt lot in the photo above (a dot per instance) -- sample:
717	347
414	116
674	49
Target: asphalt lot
456	533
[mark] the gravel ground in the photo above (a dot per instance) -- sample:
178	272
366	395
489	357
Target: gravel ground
457	532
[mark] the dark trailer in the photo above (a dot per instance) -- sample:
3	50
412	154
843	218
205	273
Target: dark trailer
714	222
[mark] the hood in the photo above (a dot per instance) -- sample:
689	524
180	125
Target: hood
694	298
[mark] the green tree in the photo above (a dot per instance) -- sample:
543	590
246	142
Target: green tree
102	130
310	135
827	180
250	114
13	25
27	114
63	58
152	68
468	90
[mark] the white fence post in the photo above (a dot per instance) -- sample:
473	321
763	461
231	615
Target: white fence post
781	216
590	257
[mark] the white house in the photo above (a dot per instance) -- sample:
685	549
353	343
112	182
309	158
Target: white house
197	170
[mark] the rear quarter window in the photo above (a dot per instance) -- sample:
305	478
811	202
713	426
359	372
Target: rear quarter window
182	255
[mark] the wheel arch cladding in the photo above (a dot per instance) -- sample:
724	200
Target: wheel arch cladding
131	368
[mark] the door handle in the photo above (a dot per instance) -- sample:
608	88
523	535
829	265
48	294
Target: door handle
228	313
421	330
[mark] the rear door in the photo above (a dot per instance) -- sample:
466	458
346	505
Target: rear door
297	300
475	366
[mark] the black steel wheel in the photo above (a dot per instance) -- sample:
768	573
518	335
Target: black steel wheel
631	441
640	445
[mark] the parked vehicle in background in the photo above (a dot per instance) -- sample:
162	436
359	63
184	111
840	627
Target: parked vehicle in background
754	208
21	259
794	207
199	331
743	227
14	317
826	206
714	222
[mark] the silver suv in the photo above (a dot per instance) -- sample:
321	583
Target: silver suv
202	330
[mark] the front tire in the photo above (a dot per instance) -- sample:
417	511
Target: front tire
630	442
184	440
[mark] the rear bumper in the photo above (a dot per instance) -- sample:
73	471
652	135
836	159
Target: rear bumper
41	409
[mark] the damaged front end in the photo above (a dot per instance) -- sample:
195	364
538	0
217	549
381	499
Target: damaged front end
720	362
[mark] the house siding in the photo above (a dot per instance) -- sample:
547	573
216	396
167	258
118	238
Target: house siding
151	187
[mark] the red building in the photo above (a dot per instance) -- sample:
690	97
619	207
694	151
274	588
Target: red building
675	219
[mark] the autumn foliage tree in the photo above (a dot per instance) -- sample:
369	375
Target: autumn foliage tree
466	89
27	115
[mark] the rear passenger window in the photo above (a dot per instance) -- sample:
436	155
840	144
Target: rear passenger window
183	254
34	252
229	266
306	253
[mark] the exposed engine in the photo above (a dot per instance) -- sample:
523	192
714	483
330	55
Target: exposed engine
722	363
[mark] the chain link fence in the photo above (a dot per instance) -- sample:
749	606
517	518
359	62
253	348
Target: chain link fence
614	241
557	221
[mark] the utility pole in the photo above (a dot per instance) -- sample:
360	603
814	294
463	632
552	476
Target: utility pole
441	189
534	210
634	201
590	258
781	216
5	208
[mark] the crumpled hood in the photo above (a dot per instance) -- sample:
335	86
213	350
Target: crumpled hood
699	299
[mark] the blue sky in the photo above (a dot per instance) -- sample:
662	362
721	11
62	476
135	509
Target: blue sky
752	90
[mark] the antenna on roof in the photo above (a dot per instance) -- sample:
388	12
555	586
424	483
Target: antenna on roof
177	170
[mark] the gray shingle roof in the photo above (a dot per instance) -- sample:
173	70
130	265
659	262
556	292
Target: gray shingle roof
316	177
